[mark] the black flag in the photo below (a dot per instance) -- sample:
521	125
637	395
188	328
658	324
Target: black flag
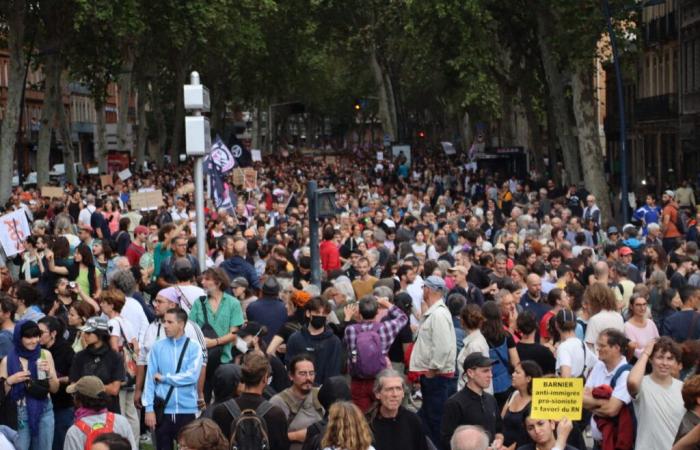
239	151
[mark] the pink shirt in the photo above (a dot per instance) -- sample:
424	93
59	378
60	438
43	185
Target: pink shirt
641	336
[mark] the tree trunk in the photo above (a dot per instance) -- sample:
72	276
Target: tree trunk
387	105
179	119
161	128
64	130
584	99
8	134
142	132
124	87
101	135
556	89
52	95
535	136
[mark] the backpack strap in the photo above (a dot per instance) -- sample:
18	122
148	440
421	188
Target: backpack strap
263	408
622	369
203	299
583	372
232	408
109	423
82	426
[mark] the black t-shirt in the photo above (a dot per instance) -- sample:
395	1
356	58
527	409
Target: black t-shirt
405	336
538	353
275	420
478	276
63	356
405	431
104	363
97	220
678	280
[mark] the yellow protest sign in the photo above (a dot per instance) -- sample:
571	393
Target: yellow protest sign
556	398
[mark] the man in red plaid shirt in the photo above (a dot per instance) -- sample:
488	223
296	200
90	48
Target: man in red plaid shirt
362	387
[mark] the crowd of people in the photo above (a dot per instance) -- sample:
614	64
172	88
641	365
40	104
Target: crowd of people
444	293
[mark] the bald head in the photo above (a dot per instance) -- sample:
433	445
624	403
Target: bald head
601	269
240	247
469	437
534	285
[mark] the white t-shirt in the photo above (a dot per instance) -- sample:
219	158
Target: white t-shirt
189	295
415	290
119	325
659	410
600	375
132	312
571	353
599	322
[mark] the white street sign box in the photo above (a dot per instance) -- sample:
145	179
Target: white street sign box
256	155
448	148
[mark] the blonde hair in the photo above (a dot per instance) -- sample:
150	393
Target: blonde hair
347	428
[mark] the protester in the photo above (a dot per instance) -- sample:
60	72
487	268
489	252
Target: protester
517	408
202	434
347	429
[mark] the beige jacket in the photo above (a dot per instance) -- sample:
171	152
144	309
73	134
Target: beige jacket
685	196
436	344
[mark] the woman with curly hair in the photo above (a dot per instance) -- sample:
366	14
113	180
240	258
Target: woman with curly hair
347	429
202	434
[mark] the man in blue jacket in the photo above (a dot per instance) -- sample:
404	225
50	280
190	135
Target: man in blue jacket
177	387
237	266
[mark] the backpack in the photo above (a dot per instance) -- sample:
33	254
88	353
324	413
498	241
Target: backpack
367	358
91	433
681	223
248	428
501	369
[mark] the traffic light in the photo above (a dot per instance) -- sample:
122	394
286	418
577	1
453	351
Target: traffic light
421	134
357	105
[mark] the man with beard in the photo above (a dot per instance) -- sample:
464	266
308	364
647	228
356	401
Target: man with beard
300	401
669	217
393	425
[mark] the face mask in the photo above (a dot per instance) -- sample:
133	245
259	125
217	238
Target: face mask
318	321
241	345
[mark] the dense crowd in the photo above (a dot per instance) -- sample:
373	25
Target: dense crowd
444	293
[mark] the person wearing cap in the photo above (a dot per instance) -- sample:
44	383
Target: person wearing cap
669	217
163	376
473	405
137	247
394	426
166	299
434	355
269	310
464	287
91	403
613	235
239	288
626	254
100	360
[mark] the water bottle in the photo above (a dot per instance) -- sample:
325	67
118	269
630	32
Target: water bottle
41	374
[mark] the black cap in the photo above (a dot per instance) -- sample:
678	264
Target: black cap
334	389
477	359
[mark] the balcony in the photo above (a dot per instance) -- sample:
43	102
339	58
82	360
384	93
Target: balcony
660	30
661	107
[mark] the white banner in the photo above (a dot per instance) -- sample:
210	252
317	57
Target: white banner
14	229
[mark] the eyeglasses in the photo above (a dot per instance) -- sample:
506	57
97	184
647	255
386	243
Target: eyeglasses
642	305
305	374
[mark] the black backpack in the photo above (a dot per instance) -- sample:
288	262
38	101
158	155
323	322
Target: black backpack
248	428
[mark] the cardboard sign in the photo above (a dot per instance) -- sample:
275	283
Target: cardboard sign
330	159
380	156
448	148
186	189
256	155
14	229
250	177
556	398
52	192
238	177
124	174
106	180
145	200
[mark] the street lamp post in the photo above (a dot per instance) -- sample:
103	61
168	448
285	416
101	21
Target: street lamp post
624	196
197	144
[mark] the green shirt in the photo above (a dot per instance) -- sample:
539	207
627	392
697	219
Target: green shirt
228	315
159	255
